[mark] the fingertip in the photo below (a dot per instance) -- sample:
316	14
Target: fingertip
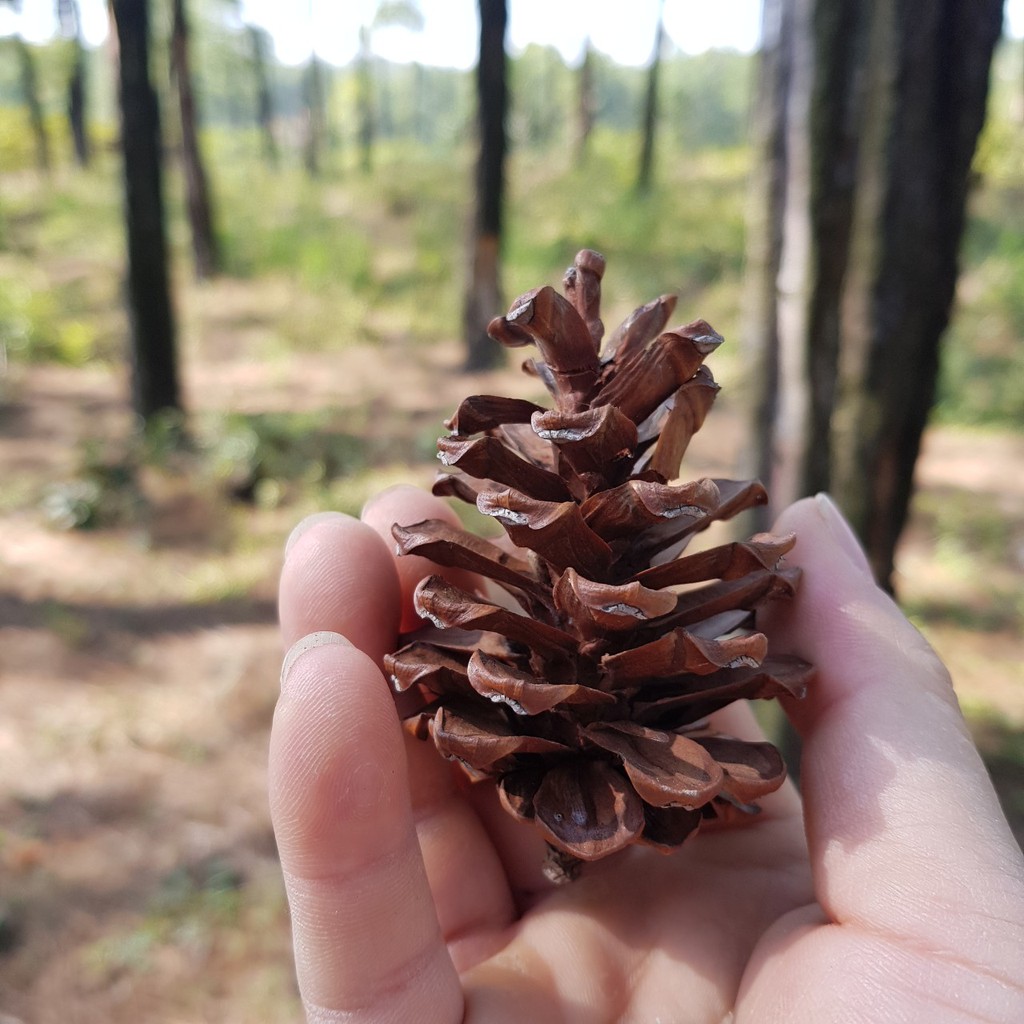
339	576
305	525
818	521
839	616
321	638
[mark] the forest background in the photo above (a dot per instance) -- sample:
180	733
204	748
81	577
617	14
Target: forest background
319	355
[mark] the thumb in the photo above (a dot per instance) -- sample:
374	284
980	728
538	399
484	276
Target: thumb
903	825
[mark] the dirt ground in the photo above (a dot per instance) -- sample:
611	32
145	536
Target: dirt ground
139	668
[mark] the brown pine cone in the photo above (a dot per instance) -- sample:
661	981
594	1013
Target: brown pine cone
584	690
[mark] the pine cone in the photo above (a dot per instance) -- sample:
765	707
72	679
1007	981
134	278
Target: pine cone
584	690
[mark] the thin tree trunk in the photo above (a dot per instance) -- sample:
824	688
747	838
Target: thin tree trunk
931	60
483	294
154	376
586	101
364	94
30	93
264	99
764	242
77	106
71	26
645	170
313	97
810	98
205	252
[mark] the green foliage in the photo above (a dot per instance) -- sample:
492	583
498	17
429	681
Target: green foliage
60	283
33	329
103	493
704	99
685	236
973	541
259	457
541	89
983	358
707	99
294	235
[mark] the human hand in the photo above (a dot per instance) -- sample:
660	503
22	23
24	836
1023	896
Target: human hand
896	893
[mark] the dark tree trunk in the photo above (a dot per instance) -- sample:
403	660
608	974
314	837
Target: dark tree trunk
77	106
33	104
205	252
645	170
586	101
868	121
71	26
153	356
483	294
313	97
930	62
264	101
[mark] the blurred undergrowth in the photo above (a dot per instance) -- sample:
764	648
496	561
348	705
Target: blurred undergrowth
319	265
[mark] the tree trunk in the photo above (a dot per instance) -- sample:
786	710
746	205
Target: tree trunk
869	117
71	26
809	100
264	101
77	106
313	97
30	93
645	171
929	62
483	293
200	217
364	96
764	243
152	341
586	101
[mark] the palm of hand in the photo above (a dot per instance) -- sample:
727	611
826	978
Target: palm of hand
416	900
647	937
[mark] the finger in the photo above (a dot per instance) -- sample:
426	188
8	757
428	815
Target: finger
521	850
367	940
338	575
903	824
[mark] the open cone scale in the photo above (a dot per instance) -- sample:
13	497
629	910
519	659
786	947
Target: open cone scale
584	692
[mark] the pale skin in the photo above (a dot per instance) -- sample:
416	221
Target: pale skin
894	892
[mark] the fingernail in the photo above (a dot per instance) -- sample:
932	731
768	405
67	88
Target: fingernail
307	643
842	533
307	524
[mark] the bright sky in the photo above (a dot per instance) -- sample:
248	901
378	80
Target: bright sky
623	31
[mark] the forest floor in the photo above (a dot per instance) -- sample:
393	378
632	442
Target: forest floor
139	669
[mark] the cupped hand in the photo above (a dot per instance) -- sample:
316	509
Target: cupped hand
894	893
